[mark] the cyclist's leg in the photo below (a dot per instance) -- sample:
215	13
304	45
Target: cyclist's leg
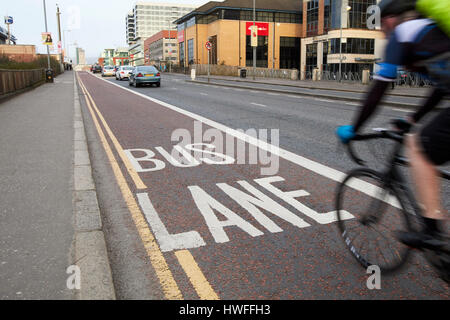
427	150
426	178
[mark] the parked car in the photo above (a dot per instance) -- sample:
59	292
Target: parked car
145	75
97	68
123	72
108	71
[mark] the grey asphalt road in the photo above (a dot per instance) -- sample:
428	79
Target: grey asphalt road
306	125
335	93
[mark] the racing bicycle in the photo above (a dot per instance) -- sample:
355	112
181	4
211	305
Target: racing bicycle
382	204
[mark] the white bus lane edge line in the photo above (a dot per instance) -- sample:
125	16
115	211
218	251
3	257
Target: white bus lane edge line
323	170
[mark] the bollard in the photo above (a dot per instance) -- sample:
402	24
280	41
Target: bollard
315	74
366	76
49	75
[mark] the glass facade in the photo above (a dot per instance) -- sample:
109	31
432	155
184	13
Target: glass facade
353	45
311	57
358	14
261	52
247	15
289	53
312	18
181	54
190	55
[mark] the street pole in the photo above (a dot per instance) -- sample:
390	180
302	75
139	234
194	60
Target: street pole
347	9
58	15
170	51
9	34
254	48
46	30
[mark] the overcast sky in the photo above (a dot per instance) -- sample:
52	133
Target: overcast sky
101	23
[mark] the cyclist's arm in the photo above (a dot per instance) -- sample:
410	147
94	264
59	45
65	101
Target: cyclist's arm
371	103
436	97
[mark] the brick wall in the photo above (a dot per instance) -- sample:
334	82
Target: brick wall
19	53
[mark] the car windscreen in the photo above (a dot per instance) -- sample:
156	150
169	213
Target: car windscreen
127	68
147	69
109	68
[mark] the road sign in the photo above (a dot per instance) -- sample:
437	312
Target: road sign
47	38
208	45
9	20
254	36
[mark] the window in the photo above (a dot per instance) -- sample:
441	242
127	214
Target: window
261	52
353	45
191	51
181	54
312	18
358	14
311	57
289	53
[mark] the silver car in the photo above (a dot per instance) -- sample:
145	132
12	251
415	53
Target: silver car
108	71
123	72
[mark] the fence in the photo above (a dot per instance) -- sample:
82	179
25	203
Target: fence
16	80
222	70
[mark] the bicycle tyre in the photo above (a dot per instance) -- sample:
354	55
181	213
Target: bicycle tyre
376	179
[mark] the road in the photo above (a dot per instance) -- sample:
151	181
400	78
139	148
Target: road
240	224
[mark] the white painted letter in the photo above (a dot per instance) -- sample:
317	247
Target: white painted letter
261	200
159	165
167	242
289	197
206	204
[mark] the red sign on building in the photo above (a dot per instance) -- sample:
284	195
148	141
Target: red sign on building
263	28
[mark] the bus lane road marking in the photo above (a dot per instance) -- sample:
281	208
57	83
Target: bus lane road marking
159	263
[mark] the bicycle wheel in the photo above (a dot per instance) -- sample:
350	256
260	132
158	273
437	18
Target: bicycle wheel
370	235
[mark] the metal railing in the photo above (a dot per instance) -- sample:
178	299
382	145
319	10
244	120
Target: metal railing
15	80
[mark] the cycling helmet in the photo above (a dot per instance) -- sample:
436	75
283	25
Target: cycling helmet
396	7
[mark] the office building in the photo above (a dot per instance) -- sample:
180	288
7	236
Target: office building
161	49
292	34
149	18
81	56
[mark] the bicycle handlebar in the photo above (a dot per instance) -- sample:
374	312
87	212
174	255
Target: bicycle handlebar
383	134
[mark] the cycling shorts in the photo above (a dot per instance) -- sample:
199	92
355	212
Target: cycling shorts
435	138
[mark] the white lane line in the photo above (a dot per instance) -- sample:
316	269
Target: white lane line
258	105
273	94
316	167
324	100
254	91
203	94
353	104
401	110
296	97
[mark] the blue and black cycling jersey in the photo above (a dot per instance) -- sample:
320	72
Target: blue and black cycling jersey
411	46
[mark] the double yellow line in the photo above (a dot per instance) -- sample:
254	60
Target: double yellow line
159	263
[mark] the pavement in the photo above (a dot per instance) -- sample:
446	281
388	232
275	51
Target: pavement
50	231
401	97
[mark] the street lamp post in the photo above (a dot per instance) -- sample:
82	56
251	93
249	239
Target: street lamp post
254	47
58	15
348	8
46	30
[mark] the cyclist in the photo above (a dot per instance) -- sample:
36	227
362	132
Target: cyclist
414	40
